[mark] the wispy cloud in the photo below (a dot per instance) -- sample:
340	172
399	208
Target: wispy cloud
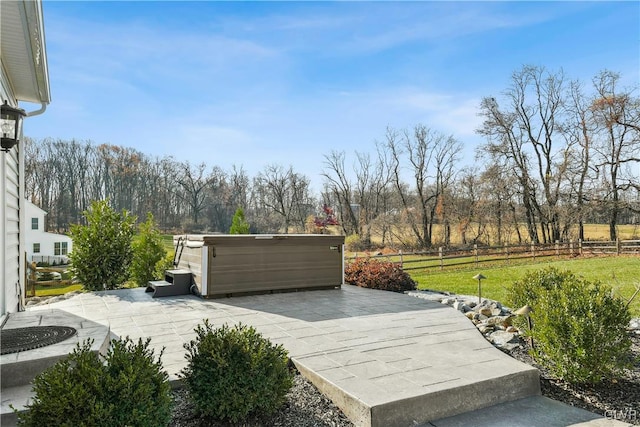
259	83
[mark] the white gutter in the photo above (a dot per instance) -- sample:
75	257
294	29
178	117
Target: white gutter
43	108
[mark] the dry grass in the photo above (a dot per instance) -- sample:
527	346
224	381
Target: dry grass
509	236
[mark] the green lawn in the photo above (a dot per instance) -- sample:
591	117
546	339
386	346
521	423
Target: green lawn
622	273
167	240
51	290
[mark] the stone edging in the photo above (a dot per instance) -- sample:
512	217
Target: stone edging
491	318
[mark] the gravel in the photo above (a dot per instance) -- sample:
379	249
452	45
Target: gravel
305	407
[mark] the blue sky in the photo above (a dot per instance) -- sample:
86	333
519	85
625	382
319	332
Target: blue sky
257	83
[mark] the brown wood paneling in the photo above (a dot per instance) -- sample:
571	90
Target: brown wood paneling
255	263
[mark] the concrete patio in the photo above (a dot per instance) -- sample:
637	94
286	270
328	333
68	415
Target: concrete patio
385	359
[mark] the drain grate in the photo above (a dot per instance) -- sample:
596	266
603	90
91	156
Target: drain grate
23	339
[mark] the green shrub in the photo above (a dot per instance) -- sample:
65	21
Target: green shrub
528	290
148	250
375	274
165	263
578	326
129	388
535	283
239	224
138	384
579	332
102	248
234	372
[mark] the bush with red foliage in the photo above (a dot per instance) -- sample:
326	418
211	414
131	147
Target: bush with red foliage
376	274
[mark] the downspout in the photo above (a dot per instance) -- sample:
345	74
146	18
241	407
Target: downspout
21	269
43	108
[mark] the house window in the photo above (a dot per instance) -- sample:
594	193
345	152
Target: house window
60	248
34	223
36	248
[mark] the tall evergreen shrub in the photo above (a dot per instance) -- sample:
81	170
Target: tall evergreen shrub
102	248
148	251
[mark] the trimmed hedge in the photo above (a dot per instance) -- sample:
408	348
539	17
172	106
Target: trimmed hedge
128	388
233	372
376	274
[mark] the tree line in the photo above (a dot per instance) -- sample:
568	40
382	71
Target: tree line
557	154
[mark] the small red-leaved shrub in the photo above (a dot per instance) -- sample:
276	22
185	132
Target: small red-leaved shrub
375	274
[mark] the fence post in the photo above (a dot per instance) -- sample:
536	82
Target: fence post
401	259
580	247
618	245
440	254
557	248
533	251
506	248
475	252
571	247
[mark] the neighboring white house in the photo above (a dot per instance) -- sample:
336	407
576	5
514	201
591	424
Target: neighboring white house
24	77
41	245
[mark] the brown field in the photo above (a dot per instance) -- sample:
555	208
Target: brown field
592	232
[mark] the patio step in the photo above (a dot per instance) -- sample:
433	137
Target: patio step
176	282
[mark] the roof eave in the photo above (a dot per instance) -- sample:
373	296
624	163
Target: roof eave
32	45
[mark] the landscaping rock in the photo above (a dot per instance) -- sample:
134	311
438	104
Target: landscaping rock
485	328
492	319
48	300
505	340
460	306
485	311
500	320
448	301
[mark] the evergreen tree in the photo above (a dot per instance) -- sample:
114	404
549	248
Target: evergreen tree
148	251
239	225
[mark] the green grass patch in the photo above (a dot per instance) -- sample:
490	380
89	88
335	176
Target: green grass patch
167	241
52	290
620	272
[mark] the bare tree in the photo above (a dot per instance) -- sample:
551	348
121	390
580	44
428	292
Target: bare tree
579	130
617	113
339	183
430	158
194	181
527	134
285	193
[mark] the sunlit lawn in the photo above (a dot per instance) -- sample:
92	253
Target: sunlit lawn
622	273
51	290
167	240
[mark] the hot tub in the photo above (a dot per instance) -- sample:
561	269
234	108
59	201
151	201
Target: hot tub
227	265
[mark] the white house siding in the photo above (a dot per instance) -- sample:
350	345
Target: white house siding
10	219
24	76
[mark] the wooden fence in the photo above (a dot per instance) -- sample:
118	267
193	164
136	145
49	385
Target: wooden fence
31	278
441	258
